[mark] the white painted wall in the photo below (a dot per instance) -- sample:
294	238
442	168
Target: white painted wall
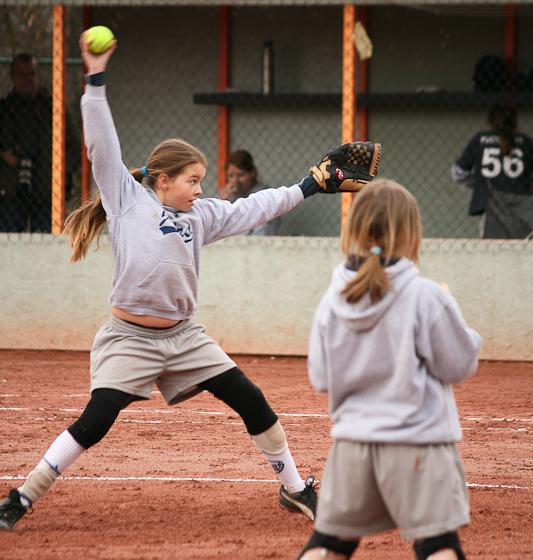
257	295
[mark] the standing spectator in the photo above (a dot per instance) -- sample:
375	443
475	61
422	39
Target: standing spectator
26	151
242	180
497	164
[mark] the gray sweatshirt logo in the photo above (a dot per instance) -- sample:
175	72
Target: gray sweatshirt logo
167	225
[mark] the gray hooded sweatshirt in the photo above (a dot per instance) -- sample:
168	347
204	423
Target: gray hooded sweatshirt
389	367
157	248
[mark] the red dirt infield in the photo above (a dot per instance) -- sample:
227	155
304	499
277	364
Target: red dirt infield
186	482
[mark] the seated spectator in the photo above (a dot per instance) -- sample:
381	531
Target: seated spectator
497	164
242	180
26	151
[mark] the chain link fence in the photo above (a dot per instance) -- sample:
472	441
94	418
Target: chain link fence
26	118
425	94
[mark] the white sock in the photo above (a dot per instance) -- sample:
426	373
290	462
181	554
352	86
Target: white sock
285	468
63	452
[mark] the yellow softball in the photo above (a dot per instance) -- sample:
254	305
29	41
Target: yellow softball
99	38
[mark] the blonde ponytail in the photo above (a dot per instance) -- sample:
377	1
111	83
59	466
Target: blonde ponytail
83	225
371	278
383	225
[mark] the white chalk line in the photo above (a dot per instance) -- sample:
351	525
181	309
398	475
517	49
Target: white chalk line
155	479
479	428
232	480
147	422
495	419
182	411
127	421
140	410
163	411
225	422
503	486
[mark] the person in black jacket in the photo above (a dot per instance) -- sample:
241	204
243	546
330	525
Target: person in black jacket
497	164
26	151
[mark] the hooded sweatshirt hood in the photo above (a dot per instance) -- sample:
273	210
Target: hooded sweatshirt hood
364	314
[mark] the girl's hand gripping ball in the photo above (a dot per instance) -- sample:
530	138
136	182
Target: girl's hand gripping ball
99	38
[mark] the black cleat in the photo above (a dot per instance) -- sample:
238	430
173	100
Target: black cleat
11	510
301	502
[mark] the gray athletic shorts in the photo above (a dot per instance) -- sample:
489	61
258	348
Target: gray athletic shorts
132	358
369	488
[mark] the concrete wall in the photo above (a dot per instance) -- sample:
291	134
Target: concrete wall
257	295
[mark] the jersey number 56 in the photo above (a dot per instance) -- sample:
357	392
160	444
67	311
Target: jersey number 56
492	163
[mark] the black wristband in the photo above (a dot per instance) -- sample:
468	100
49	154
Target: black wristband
95	79
309	186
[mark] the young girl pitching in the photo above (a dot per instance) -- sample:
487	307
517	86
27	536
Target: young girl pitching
157	229
387	345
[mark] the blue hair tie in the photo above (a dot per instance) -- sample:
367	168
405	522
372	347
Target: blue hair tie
376	250
144	171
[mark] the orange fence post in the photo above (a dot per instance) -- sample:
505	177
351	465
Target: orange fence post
349	94
58	119
223	83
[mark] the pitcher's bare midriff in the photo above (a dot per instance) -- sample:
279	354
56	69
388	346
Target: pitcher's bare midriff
144	320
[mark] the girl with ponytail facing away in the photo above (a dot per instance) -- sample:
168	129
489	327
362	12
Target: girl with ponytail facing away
386	346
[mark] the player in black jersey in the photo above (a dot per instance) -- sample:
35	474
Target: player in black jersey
498	165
